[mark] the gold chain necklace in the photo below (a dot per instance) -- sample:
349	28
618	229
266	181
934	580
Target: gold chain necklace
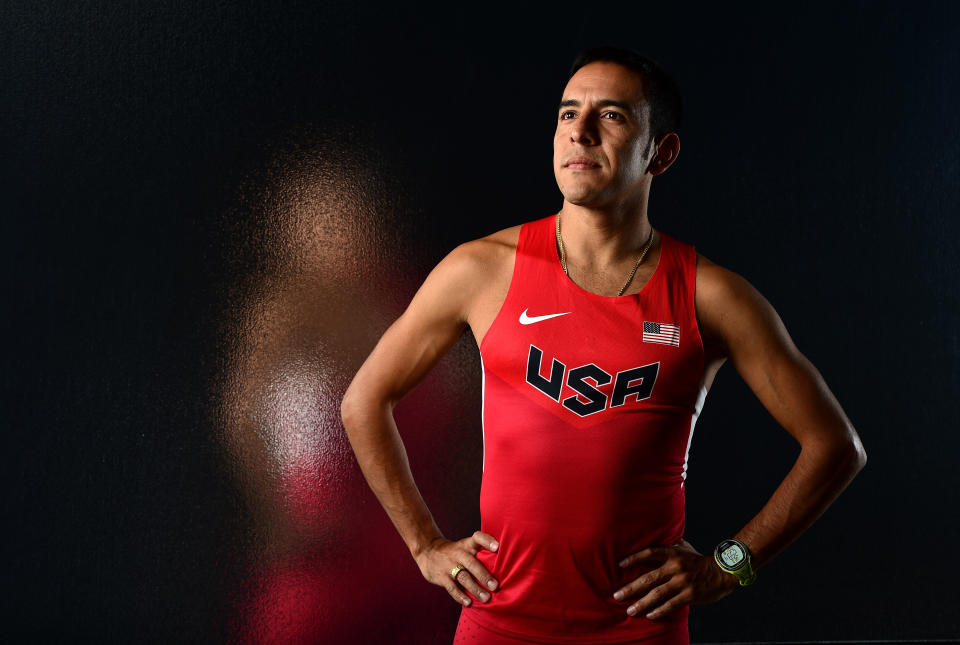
643	254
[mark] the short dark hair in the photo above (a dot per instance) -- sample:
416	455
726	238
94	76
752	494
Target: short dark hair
659	88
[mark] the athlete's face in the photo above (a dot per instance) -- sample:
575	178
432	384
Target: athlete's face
604	118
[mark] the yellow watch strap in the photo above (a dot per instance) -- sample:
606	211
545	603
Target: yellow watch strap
745	574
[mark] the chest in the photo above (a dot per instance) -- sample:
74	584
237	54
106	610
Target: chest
586	359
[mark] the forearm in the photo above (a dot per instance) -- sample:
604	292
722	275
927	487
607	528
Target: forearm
817	478
379	449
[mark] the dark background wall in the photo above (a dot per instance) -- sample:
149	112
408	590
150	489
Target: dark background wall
210	214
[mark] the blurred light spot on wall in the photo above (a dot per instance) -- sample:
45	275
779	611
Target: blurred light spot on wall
298	408
316	233
327	256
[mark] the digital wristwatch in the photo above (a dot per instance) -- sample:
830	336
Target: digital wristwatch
733	556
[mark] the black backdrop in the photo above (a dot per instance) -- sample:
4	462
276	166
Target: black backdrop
211	213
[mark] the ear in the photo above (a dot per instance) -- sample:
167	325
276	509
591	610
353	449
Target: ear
664	153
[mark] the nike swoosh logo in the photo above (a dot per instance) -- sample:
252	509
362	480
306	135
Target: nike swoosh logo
529	320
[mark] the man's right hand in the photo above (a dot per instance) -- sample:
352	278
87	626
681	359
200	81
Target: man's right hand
441	556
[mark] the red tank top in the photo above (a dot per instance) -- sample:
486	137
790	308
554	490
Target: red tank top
589	404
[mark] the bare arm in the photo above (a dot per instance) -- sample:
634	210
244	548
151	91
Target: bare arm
793	391
434	320
739	324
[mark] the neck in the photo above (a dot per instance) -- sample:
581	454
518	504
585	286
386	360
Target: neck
599	237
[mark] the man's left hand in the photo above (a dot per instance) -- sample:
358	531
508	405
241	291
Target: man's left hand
682	577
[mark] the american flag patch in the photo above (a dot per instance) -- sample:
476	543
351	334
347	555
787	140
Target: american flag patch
661	333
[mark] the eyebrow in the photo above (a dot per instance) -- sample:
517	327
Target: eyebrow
601	103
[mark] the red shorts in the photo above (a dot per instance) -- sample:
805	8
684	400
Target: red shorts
471	633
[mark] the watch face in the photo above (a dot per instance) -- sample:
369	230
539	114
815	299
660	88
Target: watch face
732	555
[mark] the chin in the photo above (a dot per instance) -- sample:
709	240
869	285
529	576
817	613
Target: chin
576	193
579	195
587	194
587	201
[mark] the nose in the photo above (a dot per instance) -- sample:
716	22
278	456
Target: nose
584	131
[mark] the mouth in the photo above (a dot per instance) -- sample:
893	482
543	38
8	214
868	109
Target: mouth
581	162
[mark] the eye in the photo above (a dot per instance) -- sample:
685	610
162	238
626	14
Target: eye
616	115
563	115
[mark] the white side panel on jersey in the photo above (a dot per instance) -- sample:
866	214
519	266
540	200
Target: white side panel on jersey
697	408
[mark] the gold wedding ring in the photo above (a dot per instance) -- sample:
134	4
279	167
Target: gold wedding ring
457	569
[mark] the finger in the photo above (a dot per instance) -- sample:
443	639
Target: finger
480	573
650	555
467	582
655	599
683	545
668	607
486	540
456	592
643	584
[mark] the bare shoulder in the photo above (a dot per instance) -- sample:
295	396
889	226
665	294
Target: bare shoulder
477	263
732	313
471	273
488	251
718	286
478	275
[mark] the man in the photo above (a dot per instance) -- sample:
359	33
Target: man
599	338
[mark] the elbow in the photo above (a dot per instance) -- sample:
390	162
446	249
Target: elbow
850	456
360	402
860	458
855	454
843	455
348	408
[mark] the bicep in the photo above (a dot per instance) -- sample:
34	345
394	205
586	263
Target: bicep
758	345
416	341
